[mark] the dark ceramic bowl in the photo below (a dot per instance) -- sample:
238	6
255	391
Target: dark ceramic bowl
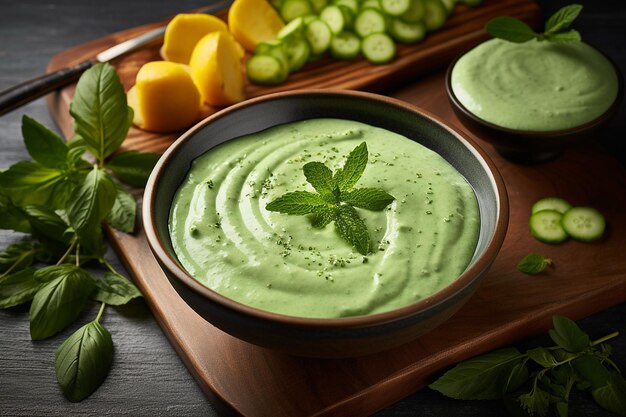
341	337
526	146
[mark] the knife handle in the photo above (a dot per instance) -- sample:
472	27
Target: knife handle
27	91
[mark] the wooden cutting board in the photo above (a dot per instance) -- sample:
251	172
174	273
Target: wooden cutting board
508	306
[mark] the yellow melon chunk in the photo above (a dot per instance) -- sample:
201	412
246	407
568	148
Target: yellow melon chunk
216	69
164	97
184	31
253	21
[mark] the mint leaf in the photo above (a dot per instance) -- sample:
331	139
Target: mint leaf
568	335
367	198
510	29
100	111
569	36
320	177
533	264
352	170
321	220
123	213
299	203
352	228
133	167
479	378
18	288
83	361
115	290
612	396
563	18
59	302
17	257
45	146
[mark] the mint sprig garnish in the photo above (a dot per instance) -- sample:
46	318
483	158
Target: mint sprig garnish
531	383
533	264
556	29
336	199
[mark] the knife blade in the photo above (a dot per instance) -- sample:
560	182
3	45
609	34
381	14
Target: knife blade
27	91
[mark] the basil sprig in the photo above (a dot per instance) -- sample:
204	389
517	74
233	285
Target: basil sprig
62	201
557	27
531	383
336	199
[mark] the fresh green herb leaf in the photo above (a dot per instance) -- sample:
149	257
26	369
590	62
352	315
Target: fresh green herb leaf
533	264
321	220
510	29
123	213
100	111
133	167
537	401
346	177
562	19
28	182
18	288
367	198
589	369
320	177
45	146
562	409
59	301
517	377
47	223
568	335
83	361
12	217
542	356
16	257
116	290
298	203
479	378
571	35
352	228
612	396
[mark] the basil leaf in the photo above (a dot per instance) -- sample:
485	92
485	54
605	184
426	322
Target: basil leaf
352	228
60	301
123	213
542	356
367	198
27	182
115	290
17	256
569	36
321	220
100	111
535	402
563	18
612	396
479	378
299	203
52	272
18	288
562	409
320	177
533	264
568	335
45	146
12	217
91	202
510	29
590	369
44	221
517	377
83	361
352	170
133	167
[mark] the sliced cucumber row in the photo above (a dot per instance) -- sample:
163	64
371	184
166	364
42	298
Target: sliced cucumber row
554	220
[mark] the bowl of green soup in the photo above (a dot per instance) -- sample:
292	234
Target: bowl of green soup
534	99
325	223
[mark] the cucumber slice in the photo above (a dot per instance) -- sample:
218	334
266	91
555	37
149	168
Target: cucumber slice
584	223
265	69
318	5
545	226
369	21
378	48
319	36
551	203
353	5
348	16
333	16
298	51
395	7
293	28
345	45
435	14
415	13
292	9
275	48
370	4
405	31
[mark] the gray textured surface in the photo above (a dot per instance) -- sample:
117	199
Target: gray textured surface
148	378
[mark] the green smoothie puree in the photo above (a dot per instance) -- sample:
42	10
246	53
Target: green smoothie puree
536	85
227	240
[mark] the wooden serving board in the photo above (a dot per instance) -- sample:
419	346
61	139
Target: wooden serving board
508	306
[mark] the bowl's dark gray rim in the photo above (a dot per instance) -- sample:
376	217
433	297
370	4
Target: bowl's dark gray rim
610	112
478	267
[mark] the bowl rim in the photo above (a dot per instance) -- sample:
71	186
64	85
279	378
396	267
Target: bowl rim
479	265
543	134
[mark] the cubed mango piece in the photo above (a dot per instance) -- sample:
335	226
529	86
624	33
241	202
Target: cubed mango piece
183	33
216	69
253	21
164	98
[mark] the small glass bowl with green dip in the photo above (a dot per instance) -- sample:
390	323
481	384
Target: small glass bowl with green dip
534	99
